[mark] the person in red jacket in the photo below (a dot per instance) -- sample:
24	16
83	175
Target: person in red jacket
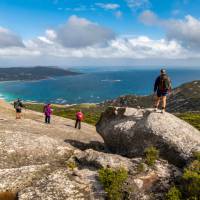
79	118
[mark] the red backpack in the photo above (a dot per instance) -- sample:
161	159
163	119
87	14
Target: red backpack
79	116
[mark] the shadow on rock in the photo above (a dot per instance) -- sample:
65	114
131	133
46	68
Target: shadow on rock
95	145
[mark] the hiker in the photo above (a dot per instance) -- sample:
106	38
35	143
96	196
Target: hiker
47	112
79	118
162	88
18	107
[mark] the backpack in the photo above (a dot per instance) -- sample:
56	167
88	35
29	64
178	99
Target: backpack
79	116
17	105
164	83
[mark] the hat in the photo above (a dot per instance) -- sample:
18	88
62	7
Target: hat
163	71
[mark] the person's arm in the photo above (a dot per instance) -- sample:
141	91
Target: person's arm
156	84
170	85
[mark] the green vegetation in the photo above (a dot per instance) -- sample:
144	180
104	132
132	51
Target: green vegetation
91	112
151	155
174	194
191	118
113	181
141	167
189	187
191	180
71	165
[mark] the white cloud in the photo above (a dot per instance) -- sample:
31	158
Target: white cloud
186	31
120	48
108	6
78	9
81	40
9	39
138	4
80	32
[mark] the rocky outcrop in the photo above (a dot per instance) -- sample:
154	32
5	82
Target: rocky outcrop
34	157
128	131
141	184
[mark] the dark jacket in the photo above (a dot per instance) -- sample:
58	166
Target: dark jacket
158	81
18	104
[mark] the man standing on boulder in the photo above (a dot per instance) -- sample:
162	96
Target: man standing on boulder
162	88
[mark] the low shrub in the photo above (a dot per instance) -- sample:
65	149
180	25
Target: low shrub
151	155
174	194
112	181
196	155
141	167
189	188
191	181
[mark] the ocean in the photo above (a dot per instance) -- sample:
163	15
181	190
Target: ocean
92	87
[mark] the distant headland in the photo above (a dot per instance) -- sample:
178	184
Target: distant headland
33	73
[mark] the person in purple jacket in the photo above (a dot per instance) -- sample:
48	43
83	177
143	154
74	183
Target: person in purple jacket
47	112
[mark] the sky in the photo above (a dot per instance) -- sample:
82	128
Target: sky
71	33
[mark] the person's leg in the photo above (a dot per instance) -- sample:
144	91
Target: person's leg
76	123
17	115
157	102
20	115
46	119
79	125
164	102
49	119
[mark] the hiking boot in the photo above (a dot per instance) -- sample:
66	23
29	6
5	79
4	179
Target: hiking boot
155	109
163	111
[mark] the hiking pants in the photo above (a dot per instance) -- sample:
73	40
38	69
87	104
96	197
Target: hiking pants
47	119
78	123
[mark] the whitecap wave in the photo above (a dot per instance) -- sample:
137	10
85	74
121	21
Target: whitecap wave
112	81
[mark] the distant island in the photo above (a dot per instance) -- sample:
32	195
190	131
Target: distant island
32	73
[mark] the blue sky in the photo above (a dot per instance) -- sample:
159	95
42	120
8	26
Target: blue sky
131	31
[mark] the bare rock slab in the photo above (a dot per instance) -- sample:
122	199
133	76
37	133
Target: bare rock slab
128	131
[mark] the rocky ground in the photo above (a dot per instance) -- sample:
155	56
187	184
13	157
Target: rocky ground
58	162
33	156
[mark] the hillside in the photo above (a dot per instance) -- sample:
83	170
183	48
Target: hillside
32	73
59	162
185	98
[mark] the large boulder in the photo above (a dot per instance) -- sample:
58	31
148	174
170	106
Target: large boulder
128	131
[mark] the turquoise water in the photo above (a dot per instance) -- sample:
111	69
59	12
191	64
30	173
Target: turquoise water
91	87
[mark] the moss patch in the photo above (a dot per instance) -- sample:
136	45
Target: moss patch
191	118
